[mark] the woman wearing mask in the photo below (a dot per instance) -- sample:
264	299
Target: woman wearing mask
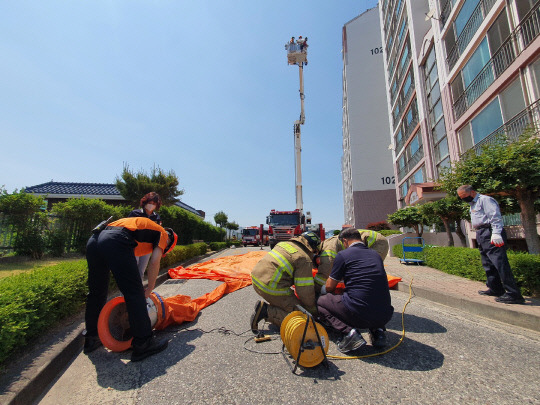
149	204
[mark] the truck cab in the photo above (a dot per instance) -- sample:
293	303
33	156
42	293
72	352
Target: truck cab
284	225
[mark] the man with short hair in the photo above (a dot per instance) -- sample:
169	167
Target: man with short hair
331	246
491	239
366	301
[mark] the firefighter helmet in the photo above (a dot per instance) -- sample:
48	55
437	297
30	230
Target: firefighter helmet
313	240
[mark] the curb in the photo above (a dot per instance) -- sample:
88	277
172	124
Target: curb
30	387
508	315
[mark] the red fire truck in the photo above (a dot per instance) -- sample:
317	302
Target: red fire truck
284	225
251	236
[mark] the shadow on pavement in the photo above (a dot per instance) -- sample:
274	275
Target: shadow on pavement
116	371
414	323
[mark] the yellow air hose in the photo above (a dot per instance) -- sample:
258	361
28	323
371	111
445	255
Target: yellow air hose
292	331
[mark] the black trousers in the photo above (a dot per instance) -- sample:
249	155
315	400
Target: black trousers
334	312
495	262
112	250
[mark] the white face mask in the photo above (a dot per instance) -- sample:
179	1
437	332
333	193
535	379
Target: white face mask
150	207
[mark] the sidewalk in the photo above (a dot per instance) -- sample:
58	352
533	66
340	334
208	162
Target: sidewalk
461	293
25	381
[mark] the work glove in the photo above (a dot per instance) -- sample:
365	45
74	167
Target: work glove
497	240
323	290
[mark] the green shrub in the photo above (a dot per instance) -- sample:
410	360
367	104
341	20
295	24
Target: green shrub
236	243
77	217
466	262
189	226
386	232
215	246
31	302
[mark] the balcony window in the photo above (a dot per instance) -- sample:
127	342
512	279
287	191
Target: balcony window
414	145
476	63
464	14
439	130
535	69
523	7
441	150
402	30
487	121
512	100
418	176
499	32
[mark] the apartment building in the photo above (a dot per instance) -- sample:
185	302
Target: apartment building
368	175
457	74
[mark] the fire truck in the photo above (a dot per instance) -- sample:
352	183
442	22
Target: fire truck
251	236
284	225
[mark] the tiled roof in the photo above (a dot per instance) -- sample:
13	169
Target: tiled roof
187	208
53	187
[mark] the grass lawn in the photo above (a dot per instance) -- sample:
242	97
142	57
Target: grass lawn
14	265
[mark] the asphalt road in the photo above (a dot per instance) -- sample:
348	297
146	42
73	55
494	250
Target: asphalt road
447	357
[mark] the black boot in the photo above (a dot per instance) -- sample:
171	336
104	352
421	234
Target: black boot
148	348
260	313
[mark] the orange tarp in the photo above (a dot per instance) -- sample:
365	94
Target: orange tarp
234	271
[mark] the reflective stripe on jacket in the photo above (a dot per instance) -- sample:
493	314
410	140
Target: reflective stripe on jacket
288	264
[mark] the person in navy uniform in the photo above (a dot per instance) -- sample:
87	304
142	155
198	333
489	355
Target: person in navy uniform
366	301
491	238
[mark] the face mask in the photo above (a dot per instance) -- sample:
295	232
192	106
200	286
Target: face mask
150	207
468	198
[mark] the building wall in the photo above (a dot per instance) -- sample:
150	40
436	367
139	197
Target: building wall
368	176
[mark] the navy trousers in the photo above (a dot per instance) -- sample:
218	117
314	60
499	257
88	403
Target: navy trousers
495	262
333	311
112	250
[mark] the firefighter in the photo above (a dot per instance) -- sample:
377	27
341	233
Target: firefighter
331	247
114	249
288	264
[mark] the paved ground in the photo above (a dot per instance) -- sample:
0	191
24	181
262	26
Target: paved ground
448	356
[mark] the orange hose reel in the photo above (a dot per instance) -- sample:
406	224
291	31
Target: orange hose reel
113	323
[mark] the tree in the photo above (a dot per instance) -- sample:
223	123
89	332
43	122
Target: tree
221	219
409	217
135	185
232	226
504	168
23	213
449	210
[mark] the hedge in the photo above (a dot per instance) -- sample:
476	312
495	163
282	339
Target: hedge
465	262
32	302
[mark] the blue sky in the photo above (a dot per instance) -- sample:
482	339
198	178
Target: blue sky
199	87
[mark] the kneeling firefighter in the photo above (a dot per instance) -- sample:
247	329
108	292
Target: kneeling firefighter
114	248
332	246
288	264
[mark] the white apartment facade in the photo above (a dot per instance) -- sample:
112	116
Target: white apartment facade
368	176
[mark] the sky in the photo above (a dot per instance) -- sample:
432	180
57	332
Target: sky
201	88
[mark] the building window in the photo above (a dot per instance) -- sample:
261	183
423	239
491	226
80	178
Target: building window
482	125
418	176
465	14
476	63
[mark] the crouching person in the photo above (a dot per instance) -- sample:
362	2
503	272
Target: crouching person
288	264
365	303
114	249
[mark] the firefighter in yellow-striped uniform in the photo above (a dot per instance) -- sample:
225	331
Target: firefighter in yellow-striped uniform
289	263
331	247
